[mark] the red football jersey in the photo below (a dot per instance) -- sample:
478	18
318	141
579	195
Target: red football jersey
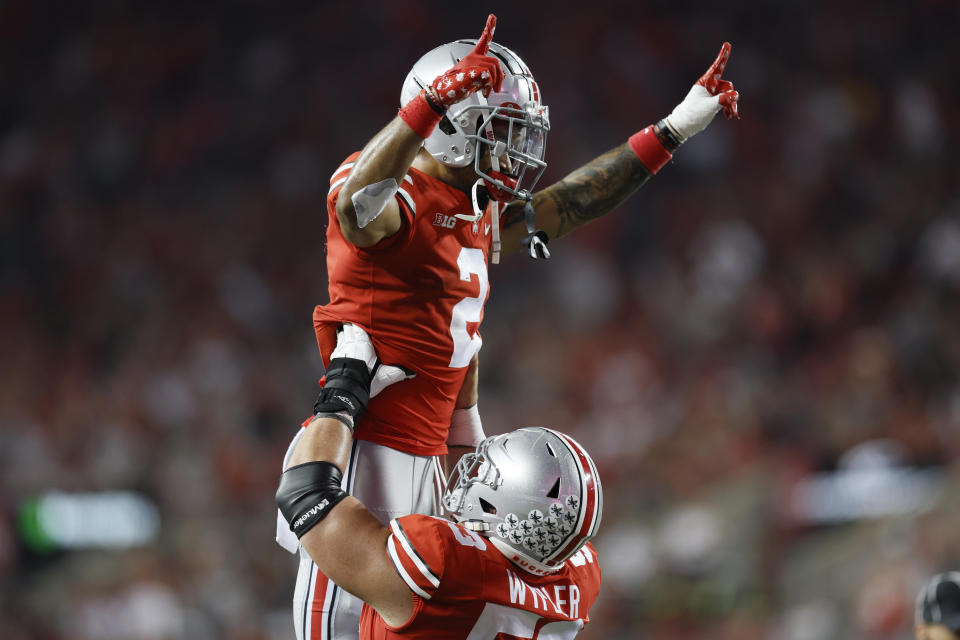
463	587
420	296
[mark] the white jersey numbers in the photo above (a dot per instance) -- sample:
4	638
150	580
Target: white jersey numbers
471	262
468	538
499	621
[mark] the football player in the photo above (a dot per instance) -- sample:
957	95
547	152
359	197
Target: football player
515	560
414	219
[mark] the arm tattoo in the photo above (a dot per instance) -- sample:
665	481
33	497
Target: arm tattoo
591	191
514	214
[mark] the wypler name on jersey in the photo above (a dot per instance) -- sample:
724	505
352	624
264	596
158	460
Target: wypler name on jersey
564	601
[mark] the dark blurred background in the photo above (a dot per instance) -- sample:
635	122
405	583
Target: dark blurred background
761	349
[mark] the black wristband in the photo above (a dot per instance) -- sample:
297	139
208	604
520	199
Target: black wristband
436	106
307	493
347	388
666	136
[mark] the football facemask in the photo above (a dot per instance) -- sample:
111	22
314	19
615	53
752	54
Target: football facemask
512	142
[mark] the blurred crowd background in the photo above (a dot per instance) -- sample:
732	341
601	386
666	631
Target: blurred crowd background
761	348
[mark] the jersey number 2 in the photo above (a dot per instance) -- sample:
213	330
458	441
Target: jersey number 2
471	262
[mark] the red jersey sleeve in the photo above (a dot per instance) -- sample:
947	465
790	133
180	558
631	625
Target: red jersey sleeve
435	556
404	196
418	553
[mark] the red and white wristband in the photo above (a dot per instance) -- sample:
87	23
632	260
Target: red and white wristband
653	145
422	114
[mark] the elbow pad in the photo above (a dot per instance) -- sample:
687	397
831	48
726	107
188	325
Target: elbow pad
369	202
307	493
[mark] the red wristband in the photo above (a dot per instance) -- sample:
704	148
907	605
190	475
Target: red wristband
420	116
651	151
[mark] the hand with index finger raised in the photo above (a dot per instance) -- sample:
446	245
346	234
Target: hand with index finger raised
711	79
482	48
709	94
475	72
483	44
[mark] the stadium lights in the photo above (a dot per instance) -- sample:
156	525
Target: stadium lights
102	520
855	494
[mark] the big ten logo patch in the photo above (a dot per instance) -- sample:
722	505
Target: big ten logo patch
447	222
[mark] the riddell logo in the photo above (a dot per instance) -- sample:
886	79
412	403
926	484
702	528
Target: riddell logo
447	222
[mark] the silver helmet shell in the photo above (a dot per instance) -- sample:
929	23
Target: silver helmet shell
533	492
511	123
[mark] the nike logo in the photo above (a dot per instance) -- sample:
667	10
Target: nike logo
486	229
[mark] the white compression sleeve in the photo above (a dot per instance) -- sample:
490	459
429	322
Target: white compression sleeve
466	429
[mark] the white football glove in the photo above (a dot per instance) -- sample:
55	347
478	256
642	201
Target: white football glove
708	96
353	342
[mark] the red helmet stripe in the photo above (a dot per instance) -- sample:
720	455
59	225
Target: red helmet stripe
589	512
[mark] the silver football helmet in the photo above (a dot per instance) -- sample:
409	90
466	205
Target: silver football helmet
533	492
510	124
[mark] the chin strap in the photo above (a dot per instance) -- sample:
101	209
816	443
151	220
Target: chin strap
495	227
479	200
477	197
494	205
535	241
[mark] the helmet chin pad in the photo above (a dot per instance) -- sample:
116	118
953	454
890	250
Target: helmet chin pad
498	194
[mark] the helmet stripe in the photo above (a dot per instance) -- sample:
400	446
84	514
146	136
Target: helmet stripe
590	490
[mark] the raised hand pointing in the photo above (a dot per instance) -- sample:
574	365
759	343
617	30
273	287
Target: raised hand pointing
476	71
708	95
